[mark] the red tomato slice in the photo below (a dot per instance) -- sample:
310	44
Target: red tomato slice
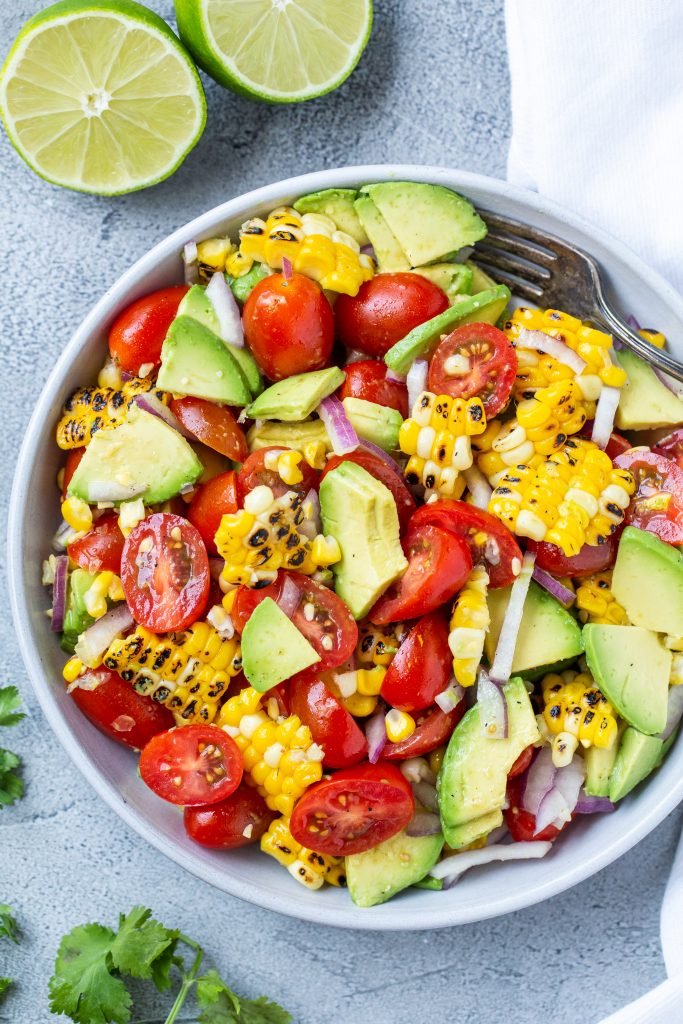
72	460
439	563
670	446
434	727
421	667
247	598
240	820
492	361
165	573
117	710
521	823
254	473
522	763
491	544
198	764
657	505
101	548
356	809
405	502
385	309
137	334
367	379
210	503
330	723
591	558
213	425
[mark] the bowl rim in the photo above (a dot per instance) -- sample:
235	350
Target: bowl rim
377	919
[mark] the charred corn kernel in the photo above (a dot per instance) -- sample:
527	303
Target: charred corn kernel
369	680
315	454
77	514
270	534
360	705
572	498
377	645
596	602
73	669
91	409
110	376
655	338
469	623
575	711
399	725
130	514
237	264
310	868
437	439
214	252
288	468
229	600
189	672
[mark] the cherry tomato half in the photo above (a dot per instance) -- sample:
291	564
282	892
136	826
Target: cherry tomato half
492	366
101	548
405	502
670	446
522	763
213	425
239	820
433	728
385	309
137	334
165	573
288	325
72	460
367	379
439	562
331	725
421	667
657	505
117	710
210	503
198	764
356	809
254	473
615	446
591	558
521	823
490	542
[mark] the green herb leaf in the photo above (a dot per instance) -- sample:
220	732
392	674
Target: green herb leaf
8	925
262	1011
83	986
9	702
4	985
221	1005
140	942
11	786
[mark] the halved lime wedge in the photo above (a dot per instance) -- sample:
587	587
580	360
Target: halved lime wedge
101	97
280	51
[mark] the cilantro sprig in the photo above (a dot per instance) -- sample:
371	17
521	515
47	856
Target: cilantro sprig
11	785
92	962
8	930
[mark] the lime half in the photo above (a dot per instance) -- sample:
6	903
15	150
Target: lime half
280	51
101	97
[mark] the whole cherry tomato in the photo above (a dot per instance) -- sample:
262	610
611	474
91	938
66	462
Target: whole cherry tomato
137	334
211	501
117	710
385	309
422	665
331	725
367	379
239	820
476	359
101	548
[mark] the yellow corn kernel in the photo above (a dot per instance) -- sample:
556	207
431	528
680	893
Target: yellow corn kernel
316	257
596	602
73	669
435	759
377	645
655	338
325	550
237	264
360	705
288	468
315	454
575	711
369	681
110	376
470	622
95	597
399	725
77	514
229	600
437	438
309	868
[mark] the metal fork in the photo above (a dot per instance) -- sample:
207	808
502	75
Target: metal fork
545	269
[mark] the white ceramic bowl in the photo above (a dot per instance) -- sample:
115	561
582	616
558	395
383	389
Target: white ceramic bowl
486	892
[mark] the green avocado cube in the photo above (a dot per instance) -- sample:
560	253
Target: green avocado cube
295	398
273	649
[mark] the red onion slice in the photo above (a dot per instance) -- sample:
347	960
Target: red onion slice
674	711
287	269
343	437
552	811
290	596
416	380
539	780
451	868
424	823
493	708
394	377
369	250
507	641
478	486
557	806
449	698
674	386
593	804
539	341
62	536
563	594
155	407
110	490
375	449
354	355
94	642
604	416
226	309
59	586
190	257
425	794
376	735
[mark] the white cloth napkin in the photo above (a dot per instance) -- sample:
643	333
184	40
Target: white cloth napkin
597	124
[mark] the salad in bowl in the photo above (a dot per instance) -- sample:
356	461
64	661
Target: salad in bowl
378	570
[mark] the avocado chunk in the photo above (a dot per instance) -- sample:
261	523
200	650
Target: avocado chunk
459	836
273	649
473	777
242	287
338	205
378	874
547	634
194	361
631	667
198	306
431	222
287	435
76	618
360	513
648	581
485	307
455	279
481	281
376	423
142	455
637	756
295	398
645	402
599	764
388	252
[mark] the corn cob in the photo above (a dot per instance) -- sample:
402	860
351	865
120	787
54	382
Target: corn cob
279	755
377	645
313	245
469	623
596	602
310	868
574	712
573	498
269	534
91	409
437	439
189	672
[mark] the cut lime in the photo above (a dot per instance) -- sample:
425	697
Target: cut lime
280	51
101	97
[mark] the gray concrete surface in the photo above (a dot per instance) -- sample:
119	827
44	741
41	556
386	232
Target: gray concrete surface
431	88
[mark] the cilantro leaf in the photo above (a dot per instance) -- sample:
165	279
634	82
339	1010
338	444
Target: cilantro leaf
221	1005
9	702
83	986
8	924
11	786
139	943
262	1011
4	985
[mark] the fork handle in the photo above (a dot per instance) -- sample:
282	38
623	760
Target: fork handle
650	353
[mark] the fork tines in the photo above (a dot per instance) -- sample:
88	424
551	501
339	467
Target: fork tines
516	255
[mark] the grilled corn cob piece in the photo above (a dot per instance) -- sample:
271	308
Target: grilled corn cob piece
437	439
573	498
596	602
91	409
574	712
377	645
310	868
279	756
269	534
189	672
469	623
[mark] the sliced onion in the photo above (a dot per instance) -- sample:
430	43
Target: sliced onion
387	459
62	536
493	707
449	698
155	407
394	377
110	490
539	341
226	309
425	794
670	444
416	380
287	269
343	437
451	868
505	650
674	711
424	823
289	598
416	769
557	806
59	593
376	735
632	322
604	416
563	594
592	804
94	642
479	487
498	833
463	254
539	780
354	355
369	250
190	257
675	386
492	552
552	811
311	525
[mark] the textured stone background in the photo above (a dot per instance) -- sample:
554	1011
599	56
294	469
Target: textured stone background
432	88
